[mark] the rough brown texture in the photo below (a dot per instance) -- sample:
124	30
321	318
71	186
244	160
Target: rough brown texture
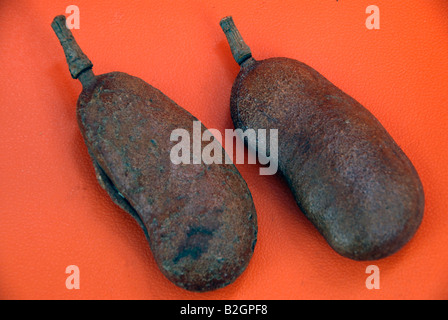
347	174
199	219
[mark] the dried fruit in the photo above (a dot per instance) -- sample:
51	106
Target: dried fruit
199	220
347	174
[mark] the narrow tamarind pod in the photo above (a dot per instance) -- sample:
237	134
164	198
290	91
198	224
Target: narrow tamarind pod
199	219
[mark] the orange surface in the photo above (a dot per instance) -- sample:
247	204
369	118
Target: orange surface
54	214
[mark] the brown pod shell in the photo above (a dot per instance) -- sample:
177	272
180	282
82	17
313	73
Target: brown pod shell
347	174
199	219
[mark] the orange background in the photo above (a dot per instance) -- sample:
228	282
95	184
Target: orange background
54	214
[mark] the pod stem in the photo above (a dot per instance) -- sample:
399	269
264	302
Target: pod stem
79	65
240	50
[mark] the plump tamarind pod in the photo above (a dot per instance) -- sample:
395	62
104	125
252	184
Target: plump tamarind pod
347	174
199	219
